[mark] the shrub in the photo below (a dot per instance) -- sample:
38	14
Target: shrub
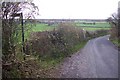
101	32
97	33
56	43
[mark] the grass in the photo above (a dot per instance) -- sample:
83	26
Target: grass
39	28
51	62
46	27
93	29
89	27
43	27
20	56
15	73
97	24
116	42
78	46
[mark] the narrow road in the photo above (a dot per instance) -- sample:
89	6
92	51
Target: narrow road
98	59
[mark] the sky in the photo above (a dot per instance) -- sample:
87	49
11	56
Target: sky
76	9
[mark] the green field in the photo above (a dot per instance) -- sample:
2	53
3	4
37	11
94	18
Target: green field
43	27
89	27
96	25
93	29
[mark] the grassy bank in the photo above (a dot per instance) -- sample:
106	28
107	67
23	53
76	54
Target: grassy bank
116	42
51	62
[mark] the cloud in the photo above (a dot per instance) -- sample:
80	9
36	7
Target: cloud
83	9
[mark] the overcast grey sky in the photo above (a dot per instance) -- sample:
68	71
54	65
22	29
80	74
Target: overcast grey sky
76	9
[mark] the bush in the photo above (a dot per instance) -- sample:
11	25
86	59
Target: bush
97	33
56	43
101	32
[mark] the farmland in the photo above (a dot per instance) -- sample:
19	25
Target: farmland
94	24
43	27
93	29
89	27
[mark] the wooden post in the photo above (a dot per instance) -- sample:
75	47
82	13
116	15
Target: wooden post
23	46
21	18
84	33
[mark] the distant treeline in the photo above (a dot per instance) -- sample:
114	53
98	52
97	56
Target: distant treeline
91	23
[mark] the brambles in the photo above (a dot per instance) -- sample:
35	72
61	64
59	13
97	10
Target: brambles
55	43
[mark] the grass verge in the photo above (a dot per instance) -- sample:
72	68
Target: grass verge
52	62
116	42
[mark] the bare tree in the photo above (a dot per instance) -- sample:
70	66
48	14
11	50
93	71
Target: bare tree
113	21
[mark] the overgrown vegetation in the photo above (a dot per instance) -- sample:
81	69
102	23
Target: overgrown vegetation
115	24
55	44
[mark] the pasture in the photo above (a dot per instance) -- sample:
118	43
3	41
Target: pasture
42	27
95	25
90	27
93	29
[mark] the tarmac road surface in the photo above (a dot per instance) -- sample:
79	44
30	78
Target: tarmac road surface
98	59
